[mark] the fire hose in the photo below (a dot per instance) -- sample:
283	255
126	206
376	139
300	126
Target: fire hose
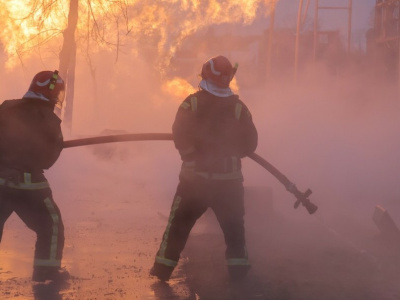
302	197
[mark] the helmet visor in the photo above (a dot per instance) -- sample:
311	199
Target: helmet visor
60	99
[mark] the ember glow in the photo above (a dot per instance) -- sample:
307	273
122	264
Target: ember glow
31	27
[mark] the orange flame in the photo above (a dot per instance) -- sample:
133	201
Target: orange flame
156	26
178	87
27	25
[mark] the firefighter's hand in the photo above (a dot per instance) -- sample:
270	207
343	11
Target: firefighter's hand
10	175
188	171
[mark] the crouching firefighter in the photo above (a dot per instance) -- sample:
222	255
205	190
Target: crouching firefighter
213	130
31	141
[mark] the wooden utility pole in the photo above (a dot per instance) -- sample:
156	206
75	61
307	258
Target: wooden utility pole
68	62
349	27
270	37
315	37
296	48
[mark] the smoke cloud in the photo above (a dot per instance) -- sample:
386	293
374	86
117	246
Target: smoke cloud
334	130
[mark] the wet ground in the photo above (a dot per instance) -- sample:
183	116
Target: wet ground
114	221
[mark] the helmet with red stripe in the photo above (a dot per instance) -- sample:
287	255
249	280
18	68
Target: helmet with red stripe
219	71
48	85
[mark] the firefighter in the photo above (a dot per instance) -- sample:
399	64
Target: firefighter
31	141
213	130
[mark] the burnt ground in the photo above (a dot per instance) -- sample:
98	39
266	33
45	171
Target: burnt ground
113	229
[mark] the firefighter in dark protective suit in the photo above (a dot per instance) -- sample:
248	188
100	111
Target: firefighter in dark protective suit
31	141
212	131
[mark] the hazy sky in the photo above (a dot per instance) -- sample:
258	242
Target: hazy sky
361	16
332	19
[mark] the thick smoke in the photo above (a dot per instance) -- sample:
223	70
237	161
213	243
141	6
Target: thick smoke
333	132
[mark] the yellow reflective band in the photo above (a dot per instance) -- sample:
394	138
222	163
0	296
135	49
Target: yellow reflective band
47	263
53	81
221	176
237	262
238	110
26	186
27	178
166	261
185	105
193	101
54	235
175	206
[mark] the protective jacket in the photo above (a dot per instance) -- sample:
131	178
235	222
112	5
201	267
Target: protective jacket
212	134
31	141
30	135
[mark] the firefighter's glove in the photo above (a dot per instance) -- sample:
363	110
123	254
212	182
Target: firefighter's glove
188	154
188	171
10	175
188	157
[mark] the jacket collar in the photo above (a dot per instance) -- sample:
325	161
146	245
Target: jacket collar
210	87
33	95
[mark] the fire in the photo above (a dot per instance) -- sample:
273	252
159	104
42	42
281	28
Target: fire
27	25
152	26
178	87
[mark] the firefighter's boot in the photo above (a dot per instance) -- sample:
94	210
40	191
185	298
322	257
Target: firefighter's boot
162	272
55	274
238	273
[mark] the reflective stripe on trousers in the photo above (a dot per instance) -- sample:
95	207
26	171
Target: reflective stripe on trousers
160	258
237	262
166	261
52	261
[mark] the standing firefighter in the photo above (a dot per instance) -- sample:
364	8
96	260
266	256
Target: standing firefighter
31	141
213	130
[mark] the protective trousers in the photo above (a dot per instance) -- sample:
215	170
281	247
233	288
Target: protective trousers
192	198
33	203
